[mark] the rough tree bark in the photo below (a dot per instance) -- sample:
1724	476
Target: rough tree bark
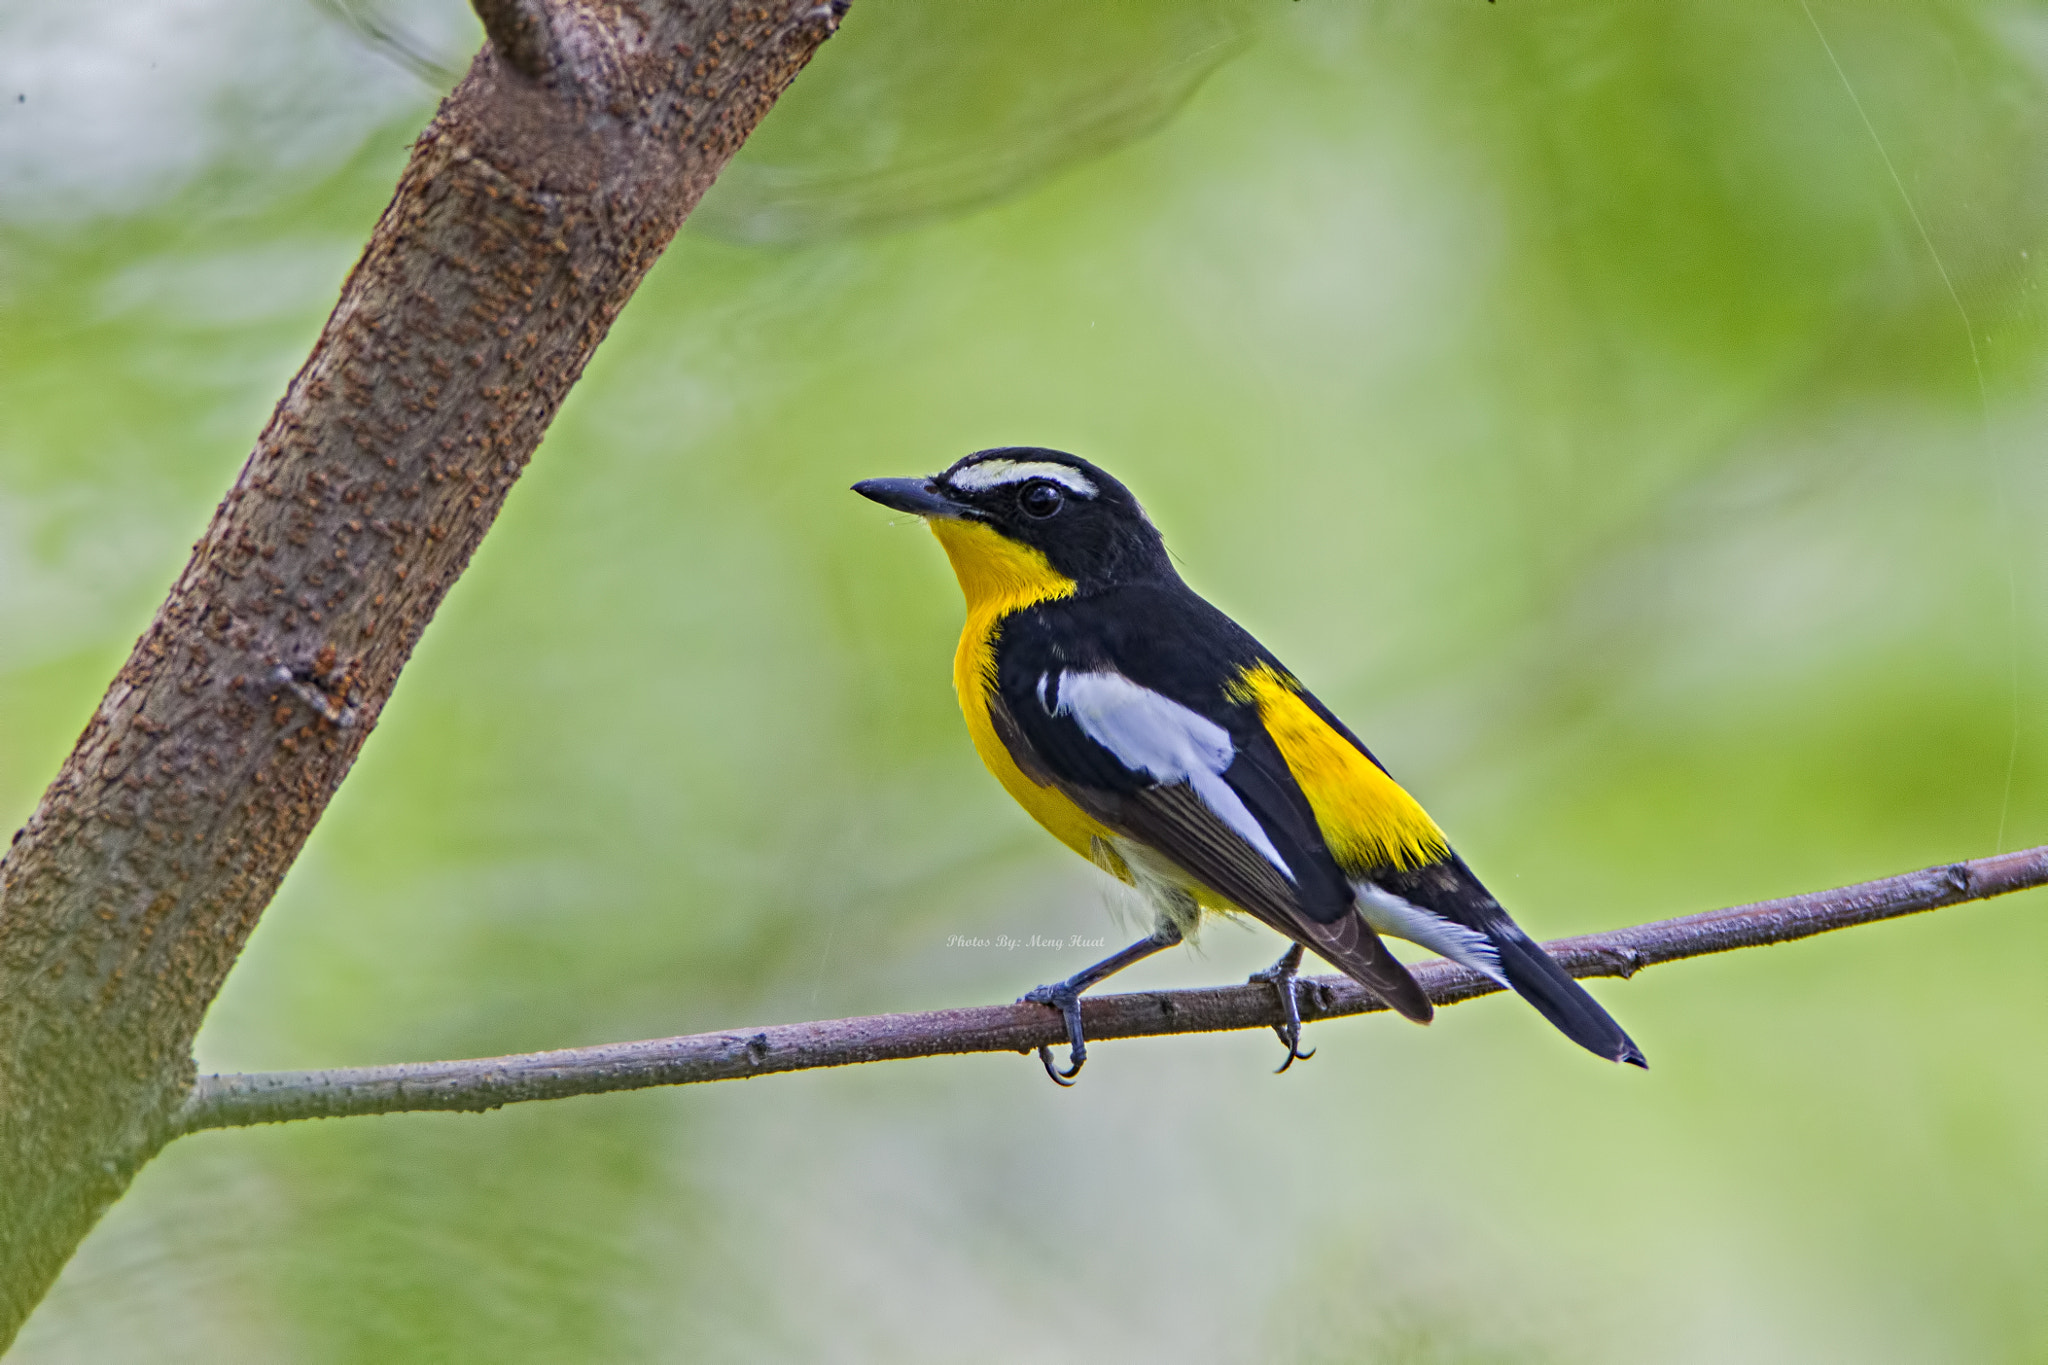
543	190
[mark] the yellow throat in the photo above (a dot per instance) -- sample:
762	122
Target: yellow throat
997	577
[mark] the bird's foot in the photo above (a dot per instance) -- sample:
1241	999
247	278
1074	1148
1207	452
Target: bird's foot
1065	997
1282	976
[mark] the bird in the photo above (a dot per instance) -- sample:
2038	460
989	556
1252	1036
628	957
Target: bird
1158	739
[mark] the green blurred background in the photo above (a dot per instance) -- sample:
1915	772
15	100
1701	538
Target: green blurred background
1628	415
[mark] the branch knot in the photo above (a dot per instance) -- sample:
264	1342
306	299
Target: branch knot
520	33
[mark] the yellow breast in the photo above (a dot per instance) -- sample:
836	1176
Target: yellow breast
997	577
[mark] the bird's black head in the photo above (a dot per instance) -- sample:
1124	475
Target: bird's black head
1085	524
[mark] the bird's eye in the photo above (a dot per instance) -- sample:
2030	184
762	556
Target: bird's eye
1040	498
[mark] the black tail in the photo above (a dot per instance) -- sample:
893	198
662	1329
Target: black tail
1538	979
1447	889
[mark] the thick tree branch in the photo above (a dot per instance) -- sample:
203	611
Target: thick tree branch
527	216
518	30
487	1083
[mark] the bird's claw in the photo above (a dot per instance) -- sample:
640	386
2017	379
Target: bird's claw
1282	976
1064	998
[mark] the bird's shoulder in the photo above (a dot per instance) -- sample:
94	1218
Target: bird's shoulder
1168	639
1163	637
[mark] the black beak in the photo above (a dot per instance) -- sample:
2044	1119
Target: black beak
919	497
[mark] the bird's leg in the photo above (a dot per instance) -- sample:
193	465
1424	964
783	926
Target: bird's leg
1065	996
1281	976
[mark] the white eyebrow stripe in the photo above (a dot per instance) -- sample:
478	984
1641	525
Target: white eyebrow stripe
977	478
1159	737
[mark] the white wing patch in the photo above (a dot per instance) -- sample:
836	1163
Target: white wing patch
979	478
1391	914
1166	741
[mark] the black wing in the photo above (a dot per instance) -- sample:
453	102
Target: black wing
1161	759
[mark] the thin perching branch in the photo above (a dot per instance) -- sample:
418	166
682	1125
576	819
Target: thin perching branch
234	1101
